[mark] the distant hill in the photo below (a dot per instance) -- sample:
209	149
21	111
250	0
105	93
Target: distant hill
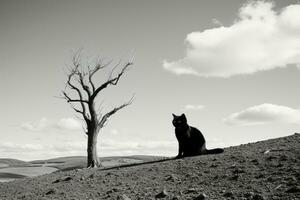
9	162
12	169
77	162
256	171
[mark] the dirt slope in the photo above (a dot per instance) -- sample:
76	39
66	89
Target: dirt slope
263	170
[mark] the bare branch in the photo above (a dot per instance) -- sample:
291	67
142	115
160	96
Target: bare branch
72	86
76	58
86	119
113	69
69	99
113	111
77	110
93	71
79	72
83	85
113	81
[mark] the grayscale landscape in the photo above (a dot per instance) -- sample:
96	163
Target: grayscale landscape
150	99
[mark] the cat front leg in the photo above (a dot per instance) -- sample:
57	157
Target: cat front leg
180	151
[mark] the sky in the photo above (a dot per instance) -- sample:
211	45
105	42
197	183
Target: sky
232	67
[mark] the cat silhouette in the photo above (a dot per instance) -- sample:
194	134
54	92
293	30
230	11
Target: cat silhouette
191	141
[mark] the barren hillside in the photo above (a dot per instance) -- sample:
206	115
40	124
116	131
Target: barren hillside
262	170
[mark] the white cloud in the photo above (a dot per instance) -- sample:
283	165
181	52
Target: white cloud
193	107
260	39
44	124
264	113
13	147
106	147
31	151
69	124
36	126
216	22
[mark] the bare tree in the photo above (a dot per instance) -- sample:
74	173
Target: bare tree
81	92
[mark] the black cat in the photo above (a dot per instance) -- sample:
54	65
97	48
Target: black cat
191	141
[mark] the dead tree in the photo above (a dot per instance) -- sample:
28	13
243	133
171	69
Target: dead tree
81	92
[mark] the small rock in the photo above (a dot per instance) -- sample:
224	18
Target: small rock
283	158
109	174
249	195
258	197
67	178
238	170
234	177
293	189
259	176
267	151
191	190
270	179
279	186
254	161
171	177
269	158
112	190
278	165
201	196
291	181
124	197
92	176
51	191
228	194
233	166
214	165
162	194
56	181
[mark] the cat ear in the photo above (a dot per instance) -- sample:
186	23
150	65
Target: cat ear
183	115
174	115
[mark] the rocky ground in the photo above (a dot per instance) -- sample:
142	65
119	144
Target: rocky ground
262	170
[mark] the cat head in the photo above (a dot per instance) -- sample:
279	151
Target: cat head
179	121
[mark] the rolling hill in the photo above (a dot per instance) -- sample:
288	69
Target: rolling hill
11	169
8	162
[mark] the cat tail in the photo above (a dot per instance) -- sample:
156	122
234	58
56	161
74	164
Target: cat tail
214	151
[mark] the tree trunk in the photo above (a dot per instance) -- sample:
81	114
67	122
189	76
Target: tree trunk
92	158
